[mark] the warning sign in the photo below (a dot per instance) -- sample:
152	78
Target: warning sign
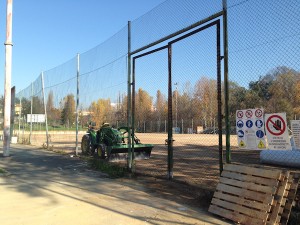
239	114
242	144
295	127
261	145
249	113
250	129
276	130
258	113
276	125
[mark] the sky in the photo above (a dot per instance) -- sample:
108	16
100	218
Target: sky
48	33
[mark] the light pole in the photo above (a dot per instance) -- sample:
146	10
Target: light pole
7	83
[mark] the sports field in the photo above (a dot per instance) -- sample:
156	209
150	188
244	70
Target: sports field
196	156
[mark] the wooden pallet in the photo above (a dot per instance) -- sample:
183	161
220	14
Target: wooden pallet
280	199
294	183
250	195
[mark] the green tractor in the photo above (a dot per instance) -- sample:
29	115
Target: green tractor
112	144
88	141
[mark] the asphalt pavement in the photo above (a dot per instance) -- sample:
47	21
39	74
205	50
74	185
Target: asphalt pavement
41	187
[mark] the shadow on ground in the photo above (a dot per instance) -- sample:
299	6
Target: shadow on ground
43	174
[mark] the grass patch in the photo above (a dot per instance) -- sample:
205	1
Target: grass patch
58	151
114	171
2	171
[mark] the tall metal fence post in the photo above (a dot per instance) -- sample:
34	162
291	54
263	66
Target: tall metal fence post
20	113
12	111
45	109
182	126
31	108
192	126
219	96
77	104
129	162
226	84
170	115
133	110
23	130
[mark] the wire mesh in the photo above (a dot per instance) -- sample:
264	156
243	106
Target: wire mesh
29	128
170	17
195	109
113	49
263	61
151	84
60	85
103	84
101	77
263	73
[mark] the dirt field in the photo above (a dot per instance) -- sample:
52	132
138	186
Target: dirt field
196	156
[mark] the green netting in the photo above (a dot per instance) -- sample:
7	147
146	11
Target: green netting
263	72
170	17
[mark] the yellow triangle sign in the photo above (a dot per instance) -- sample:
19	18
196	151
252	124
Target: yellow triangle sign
261	144
242	144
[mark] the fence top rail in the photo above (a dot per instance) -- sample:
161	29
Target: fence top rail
212	17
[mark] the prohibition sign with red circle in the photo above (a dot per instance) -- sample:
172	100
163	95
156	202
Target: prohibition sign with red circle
240	114
270	123
249	113
258	113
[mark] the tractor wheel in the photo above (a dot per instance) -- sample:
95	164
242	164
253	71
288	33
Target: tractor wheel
101	151
93	150
85	145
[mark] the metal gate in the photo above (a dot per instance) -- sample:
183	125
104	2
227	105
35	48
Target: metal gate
191	160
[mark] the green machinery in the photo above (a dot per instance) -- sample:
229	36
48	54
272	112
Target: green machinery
112	144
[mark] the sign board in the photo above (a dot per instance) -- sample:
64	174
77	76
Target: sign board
176	130
190	130
199	129
277	132
250	129
295	127
36	118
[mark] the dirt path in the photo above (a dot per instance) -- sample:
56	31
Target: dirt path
42	187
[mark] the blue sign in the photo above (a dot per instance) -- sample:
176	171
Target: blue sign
240	124
249	123
240	133
260	134
259	123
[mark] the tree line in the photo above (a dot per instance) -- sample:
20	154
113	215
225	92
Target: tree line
193	105
277	91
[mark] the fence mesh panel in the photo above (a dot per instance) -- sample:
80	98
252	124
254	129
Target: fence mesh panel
263	61
263	73
151	98
60	85
170	17
32	104
195	108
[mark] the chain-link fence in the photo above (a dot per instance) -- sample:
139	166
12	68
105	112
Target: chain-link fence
174	59
30	103
263	63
